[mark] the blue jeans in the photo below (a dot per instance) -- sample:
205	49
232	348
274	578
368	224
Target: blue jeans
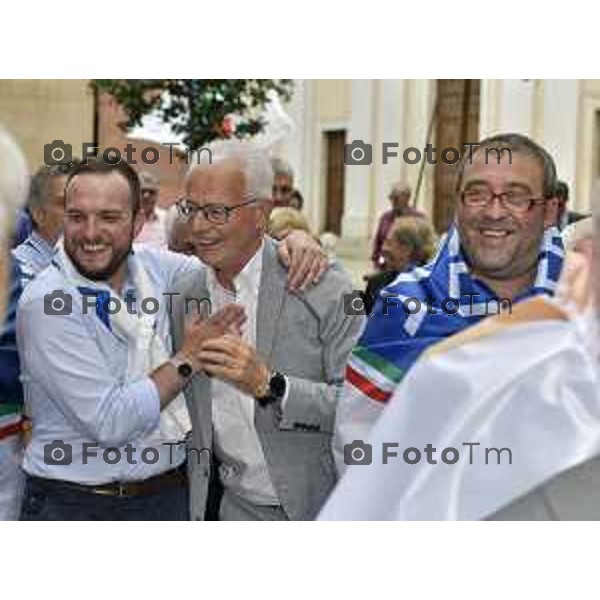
48	501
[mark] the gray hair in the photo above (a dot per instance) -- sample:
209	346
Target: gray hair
14	180
38	192
254	163
282	167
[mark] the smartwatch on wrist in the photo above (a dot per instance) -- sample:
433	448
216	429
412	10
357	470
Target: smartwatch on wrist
276	389
184	368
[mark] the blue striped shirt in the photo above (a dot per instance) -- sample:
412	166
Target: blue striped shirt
33	256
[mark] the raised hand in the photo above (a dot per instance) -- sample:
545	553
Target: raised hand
232	360
197	329
304	258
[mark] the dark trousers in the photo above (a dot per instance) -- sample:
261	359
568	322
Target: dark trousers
46	500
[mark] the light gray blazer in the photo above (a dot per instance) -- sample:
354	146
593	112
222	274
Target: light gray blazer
307	337
570	496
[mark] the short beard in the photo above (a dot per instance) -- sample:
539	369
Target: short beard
106	273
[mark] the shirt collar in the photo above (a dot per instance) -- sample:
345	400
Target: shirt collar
248	279
39	243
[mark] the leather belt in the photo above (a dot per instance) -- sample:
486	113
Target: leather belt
122	489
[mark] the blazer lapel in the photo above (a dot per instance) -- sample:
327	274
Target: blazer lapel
270	299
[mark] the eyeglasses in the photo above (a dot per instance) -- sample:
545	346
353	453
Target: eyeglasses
218	214
514	200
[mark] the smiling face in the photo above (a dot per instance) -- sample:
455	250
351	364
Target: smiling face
227	247
500	245
99	225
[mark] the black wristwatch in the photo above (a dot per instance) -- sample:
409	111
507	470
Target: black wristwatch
184	368
276	389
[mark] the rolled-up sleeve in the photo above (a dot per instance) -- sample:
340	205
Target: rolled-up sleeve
60	355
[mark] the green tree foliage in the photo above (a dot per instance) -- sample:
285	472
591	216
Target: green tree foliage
200	110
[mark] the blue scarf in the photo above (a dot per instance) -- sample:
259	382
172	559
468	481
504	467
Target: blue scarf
444	298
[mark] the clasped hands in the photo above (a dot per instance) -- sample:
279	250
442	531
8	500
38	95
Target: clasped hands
215	345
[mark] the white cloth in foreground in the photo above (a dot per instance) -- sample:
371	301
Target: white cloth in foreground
528	383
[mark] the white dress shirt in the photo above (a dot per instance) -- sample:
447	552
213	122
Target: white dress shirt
233	411
73	369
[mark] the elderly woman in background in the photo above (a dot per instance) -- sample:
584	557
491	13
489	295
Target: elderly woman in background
409	243
285	219
14	182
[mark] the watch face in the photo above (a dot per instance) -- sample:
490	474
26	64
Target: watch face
184	370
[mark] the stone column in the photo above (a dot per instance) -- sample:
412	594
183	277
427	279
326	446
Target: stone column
560	109
358	178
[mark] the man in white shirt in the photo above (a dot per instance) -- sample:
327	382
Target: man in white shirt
268	408
98	445
109	422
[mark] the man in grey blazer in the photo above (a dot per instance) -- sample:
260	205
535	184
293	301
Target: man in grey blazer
265	405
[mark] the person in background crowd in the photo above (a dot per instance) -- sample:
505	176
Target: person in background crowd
285	219
154	231
46	205
565	216
399	197
297	200
14	181
283	182
409	243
